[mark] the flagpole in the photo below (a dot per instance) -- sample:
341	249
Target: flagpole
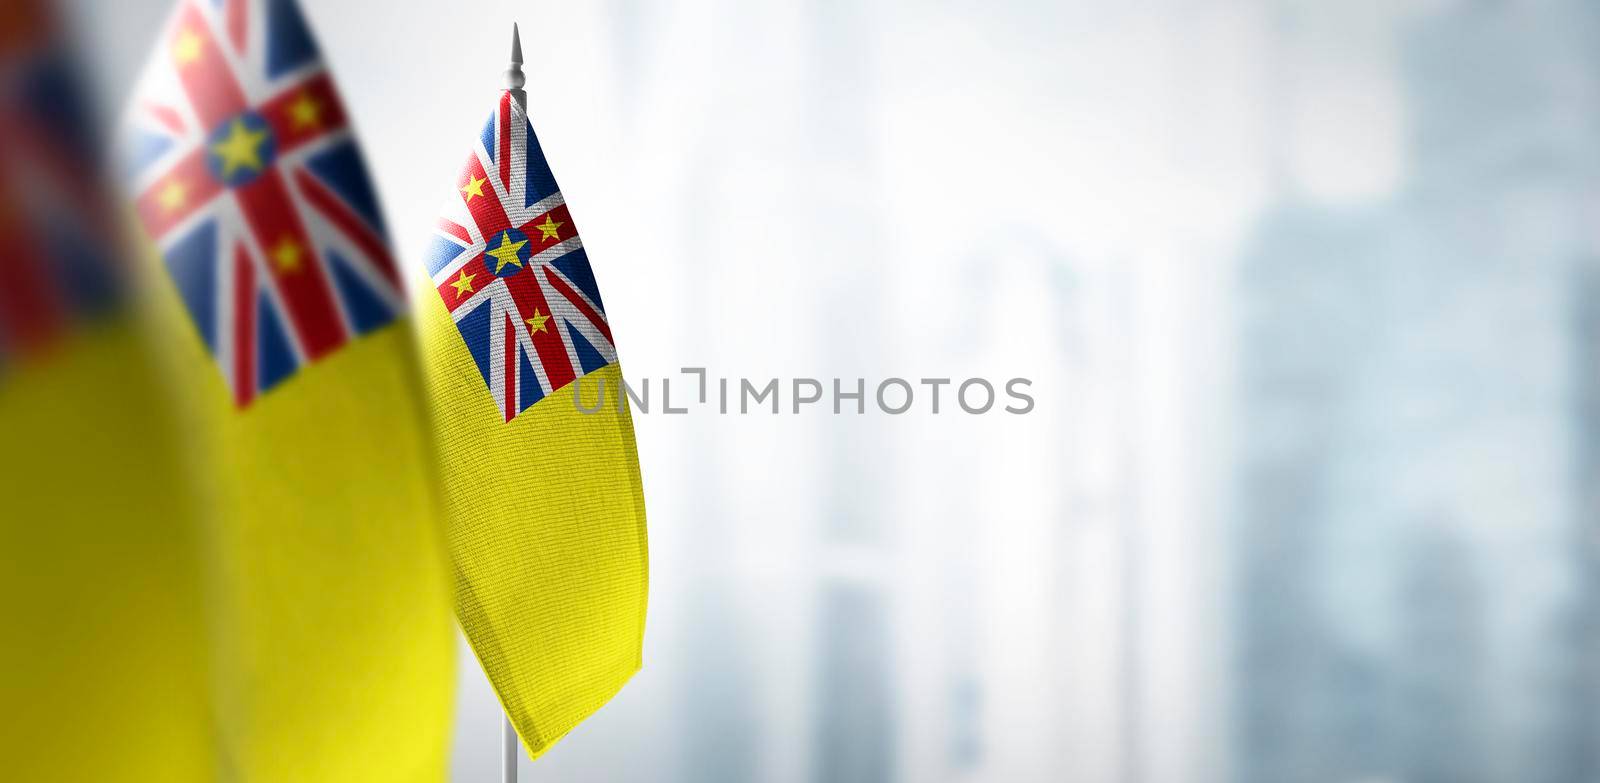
514	78
509	743
508	751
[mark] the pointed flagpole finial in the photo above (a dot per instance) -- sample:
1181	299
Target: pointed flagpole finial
514	78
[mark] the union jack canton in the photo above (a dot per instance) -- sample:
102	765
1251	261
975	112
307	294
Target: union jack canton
251	185
59	267
508	263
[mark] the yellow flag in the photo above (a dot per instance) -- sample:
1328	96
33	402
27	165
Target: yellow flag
545	504
104	668
280	306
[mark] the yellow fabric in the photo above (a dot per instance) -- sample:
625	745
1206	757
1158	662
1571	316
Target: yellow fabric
103	671
337	647
547	536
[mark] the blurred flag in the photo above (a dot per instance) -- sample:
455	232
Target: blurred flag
545	503
279	300
103	672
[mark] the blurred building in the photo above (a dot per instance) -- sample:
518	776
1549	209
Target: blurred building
1412	434
1442	653
855	712
1579	634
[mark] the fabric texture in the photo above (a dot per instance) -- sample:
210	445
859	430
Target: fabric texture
278	305
544	502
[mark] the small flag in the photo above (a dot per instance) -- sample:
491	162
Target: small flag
250	183
101	554
60	266
280	301
545	503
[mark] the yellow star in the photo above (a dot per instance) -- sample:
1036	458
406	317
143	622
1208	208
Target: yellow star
173	196
508	253
463	284
474	187
186	49
305	112
242	149
287	255
536	323
550	228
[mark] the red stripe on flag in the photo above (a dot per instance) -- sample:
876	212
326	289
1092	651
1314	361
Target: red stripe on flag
238	19
577	301
169	119
478	277
565	228
306	293
509	380
204	71
486	210
244	328
349	224
305	113
505	140
31	311
456	230
188	188
552	351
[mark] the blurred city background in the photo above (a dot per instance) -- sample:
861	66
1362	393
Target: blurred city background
1309	292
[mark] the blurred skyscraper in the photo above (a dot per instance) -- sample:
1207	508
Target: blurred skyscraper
1413	436
1579	634
1441	660
855	737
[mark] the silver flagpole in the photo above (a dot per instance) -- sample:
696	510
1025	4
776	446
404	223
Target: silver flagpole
509	744
508	752
514	78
